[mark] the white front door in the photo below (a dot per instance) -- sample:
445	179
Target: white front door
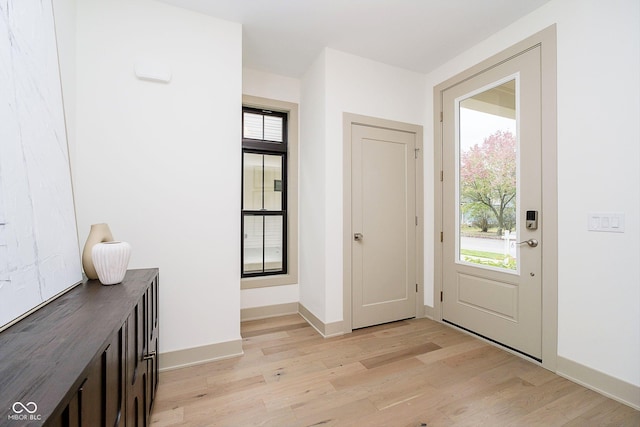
383	224
492	204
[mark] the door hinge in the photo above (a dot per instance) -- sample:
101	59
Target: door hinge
416	150
441	176
441	296
441	236
416	287
441	117
416	220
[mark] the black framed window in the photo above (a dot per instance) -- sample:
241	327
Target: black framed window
264	192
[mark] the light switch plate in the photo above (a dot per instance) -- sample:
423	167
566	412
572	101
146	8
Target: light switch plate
612	222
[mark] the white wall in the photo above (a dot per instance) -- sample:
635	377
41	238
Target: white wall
312	188
272	295
598	158
361	86
269	85
355	85
281	88
160	163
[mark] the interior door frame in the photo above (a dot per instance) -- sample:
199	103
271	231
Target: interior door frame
348	120
546	39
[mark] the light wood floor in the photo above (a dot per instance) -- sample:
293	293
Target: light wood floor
409	373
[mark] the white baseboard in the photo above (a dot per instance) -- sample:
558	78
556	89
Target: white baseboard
198	355
255	313
428	312
605	384
327	330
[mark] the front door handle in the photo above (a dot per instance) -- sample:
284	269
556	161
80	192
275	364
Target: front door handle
357	237
531	242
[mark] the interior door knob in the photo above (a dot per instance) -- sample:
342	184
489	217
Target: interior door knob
357	237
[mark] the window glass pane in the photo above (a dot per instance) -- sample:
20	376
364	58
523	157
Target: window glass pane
253	250
273	128
273	182
487	176
252	182
252	126
263	186
273	243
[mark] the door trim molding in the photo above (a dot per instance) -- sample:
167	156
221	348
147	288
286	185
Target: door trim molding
348	120
546	39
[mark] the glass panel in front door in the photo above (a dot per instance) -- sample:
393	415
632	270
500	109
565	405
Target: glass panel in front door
487	190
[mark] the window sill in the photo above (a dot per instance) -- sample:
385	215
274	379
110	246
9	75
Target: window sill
267	281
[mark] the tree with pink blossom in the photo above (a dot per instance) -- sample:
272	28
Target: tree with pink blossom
488	178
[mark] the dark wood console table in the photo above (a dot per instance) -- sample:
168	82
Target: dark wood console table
88	358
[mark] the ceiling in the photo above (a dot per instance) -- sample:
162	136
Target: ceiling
285	36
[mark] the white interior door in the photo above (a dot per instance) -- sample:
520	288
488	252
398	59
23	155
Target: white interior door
383	222
492	208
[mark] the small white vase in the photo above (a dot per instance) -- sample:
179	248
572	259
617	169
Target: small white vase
98	233
110	260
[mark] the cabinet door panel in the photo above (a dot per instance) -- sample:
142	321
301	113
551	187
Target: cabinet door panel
136	367
152	344
90	397
114	379
71	415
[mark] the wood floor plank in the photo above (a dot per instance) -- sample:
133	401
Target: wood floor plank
344	413
421	410
282	328
291	392
383	359
607	413
168	417
488	403
378	375
390	389
218	411
402	374
401	389
272	322
300	342
564	409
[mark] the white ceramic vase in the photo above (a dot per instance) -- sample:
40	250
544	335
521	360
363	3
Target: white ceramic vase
110	260
98	233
